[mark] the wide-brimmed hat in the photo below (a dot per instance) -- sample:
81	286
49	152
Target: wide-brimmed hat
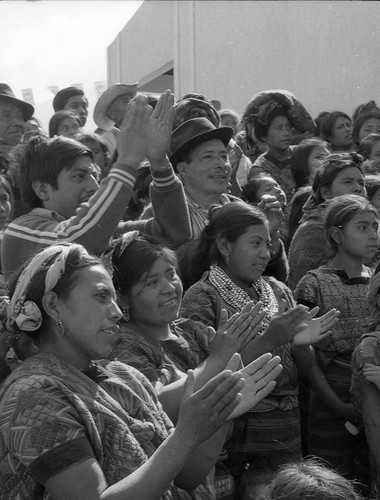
62	96
7	95
105	100
194	132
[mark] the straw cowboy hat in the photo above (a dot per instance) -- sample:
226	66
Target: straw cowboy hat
101	118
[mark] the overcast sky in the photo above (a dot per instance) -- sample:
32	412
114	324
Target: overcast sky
47	43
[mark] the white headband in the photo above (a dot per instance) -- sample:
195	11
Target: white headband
27	315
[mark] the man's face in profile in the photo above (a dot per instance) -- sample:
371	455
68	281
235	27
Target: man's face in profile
12	125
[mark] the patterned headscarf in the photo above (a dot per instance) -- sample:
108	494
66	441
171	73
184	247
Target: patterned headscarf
125	240
26	315
264	103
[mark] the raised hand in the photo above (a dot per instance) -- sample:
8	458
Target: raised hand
160	128
204	412
259	378
273	211
316	329
234	157
285	325
132	141
235	333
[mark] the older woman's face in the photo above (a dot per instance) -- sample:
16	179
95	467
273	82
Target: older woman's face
89	316
348	181
155	300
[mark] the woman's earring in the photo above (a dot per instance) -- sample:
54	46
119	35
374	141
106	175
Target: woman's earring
227	259
60	328
126	315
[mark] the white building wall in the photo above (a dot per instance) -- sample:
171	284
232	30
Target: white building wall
143	50
326	53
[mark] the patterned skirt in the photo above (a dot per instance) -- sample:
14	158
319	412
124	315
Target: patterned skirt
271	437
328	437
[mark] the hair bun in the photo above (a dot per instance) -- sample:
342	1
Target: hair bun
356	158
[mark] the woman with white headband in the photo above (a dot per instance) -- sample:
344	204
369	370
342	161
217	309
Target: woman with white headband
74	428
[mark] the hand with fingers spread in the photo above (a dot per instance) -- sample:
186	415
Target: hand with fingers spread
316	329
285	325
235	333
132	141
259	376
204	412
160	128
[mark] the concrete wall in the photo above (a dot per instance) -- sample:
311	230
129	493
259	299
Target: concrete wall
143	50
326	53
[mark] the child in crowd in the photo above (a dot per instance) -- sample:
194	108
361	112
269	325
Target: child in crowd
366	121
229	118
277	135
336	129
339	174
100	151
276	116
366	382
351	227
309	480
64	123
261	185
369	148
305	160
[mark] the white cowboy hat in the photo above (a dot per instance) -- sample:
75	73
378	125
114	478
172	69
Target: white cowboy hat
101	118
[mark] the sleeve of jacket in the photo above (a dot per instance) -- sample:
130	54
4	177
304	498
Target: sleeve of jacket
170	216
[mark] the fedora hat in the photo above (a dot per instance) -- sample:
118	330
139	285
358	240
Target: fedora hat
194	132
105	100
7	95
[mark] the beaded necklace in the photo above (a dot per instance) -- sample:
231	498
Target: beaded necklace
237	298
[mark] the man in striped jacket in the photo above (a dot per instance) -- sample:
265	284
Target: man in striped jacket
67	203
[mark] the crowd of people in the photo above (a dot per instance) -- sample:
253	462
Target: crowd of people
190	299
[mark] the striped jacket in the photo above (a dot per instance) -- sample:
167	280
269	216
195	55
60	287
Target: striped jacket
96	220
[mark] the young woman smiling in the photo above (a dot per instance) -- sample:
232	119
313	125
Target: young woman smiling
163	346
73	427
233	250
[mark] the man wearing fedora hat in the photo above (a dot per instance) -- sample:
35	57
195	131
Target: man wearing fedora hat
199	156
13	115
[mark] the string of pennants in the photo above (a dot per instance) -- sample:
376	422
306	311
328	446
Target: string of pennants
100	87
